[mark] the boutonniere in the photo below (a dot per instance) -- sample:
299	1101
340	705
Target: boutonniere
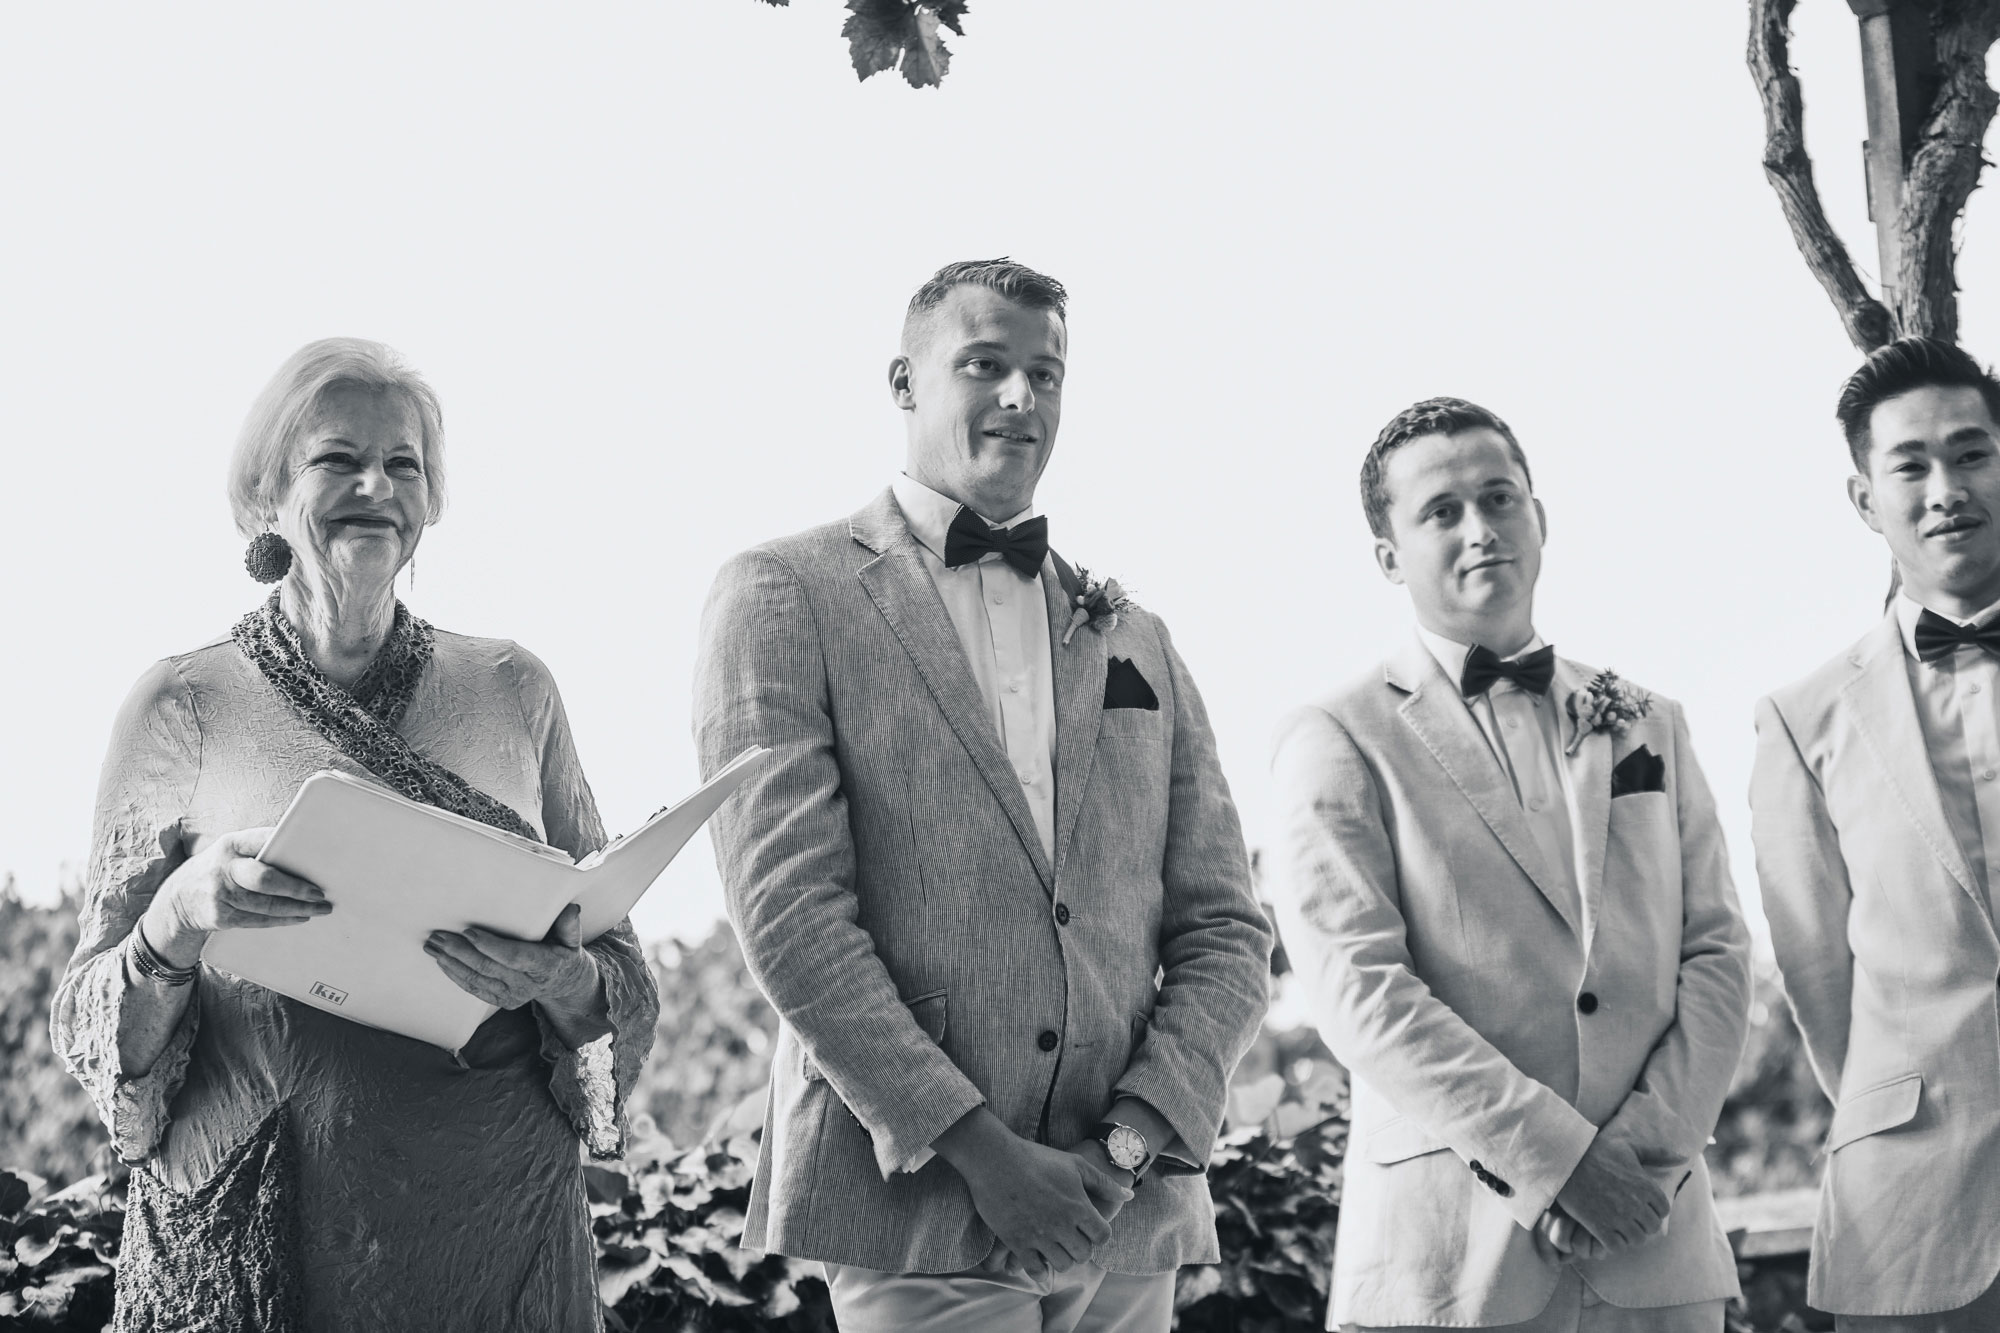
1095	604
1606	704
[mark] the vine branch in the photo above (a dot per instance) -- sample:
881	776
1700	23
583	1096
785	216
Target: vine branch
1789	169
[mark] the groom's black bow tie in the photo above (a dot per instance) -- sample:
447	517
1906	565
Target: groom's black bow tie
1483	668
1023	546
1937	637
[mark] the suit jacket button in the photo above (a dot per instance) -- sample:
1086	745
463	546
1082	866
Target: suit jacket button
1477	1169
1586	1003
1501	1188
1062	914
1047	1041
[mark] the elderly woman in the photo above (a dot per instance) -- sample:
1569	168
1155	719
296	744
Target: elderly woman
292	1169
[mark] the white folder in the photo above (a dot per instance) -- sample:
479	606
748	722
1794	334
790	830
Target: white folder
396	869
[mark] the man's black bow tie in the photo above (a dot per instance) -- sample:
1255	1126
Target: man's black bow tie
1532	673
1937	637
1023	546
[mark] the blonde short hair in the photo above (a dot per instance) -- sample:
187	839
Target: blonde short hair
259	470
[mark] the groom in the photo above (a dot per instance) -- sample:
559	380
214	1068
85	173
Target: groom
1875	809
1505	890
991	880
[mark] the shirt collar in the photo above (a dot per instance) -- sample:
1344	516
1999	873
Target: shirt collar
930	514
1451	655
1907	612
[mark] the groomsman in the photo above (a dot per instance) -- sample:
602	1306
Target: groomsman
992	879
1876	817
1503	882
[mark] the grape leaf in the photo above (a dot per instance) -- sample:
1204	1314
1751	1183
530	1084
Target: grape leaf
926	59
951	13
876	33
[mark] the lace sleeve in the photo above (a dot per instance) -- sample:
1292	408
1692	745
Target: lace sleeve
148	775
592	1082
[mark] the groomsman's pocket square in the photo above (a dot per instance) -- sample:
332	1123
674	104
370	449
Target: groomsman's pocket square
1638	772
1124	687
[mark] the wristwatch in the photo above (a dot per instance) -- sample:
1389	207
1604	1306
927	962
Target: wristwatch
1124	1145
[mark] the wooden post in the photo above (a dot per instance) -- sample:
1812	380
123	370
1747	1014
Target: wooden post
1901	77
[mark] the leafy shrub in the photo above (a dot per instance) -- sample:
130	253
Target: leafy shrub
47	1124
669	1255
1276	1201
1775	1117
712	1047
58	1253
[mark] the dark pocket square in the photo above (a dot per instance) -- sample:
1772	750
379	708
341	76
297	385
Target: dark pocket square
1124	687
1639	771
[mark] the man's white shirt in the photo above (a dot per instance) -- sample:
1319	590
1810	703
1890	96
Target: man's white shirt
1002	619
1960	718
1525	734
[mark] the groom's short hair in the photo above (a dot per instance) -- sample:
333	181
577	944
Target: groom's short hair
1898	368
1433	416
1017	282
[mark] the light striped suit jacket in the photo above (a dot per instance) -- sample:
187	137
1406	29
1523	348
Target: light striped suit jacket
895	903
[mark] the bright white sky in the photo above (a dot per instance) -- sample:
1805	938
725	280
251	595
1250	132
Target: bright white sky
654	258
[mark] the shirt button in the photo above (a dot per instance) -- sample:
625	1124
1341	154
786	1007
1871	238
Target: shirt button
1027	778
1586	1003
1047	1041
1512	725
1972	688
1014	688
999	601
1062	914
1536	804
1987	776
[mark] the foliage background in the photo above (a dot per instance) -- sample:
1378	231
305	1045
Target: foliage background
668	1223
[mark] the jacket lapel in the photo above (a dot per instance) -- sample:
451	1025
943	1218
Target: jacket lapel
1442	722
1590	781
1878	697
1079	669
902	590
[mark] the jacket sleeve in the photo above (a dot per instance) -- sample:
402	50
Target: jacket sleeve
148	777
593	1082
1340	910
1677	1098
786	857
1803	877
1215	944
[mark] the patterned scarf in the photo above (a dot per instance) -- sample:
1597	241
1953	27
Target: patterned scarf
361	723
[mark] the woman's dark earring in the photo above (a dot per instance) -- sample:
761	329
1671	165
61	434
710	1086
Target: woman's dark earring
268	558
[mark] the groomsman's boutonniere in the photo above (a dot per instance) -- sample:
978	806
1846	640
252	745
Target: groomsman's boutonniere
1606	704
1095	604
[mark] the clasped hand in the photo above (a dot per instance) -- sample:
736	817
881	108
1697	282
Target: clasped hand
1609	1204
1048	1207
508	973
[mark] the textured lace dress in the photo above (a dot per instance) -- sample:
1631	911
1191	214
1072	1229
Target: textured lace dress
294	1170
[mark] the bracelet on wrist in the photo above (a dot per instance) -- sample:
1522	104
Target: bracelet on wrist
147	962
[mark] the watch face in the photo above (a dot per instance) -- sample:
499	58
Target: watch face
1126	1147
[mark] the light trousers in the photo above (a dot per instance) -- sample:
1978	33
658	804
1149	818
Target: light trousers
1575	1308
995	1299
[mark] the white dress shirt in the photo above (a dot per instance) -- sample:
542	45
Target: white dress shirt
1002	621
1961	725
1525	734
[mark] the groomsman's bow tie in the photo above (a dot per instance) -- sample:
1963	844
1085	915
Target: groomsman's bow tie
1483	669
1937	637
1023	546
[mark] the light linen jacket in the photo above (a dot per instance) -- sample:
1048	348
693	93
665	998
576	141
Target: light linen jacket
1887	945
925	955
1447	971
